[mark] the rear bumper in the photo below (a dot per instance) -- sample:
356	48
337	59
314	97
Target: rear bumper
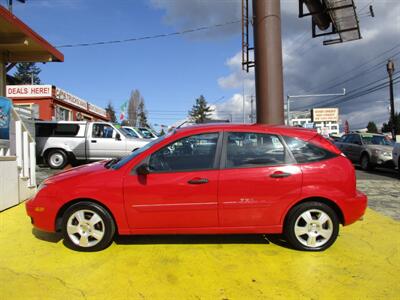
355	208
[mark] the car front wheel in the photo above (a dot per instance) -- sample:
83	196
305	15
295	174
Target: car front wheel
87	226
366	163
311	226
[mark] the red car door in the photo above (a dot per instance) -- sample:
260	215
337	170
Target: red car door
181	189
256	181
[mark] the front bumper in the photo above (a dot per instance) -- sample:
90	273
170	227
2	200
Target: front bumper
42	216
355	208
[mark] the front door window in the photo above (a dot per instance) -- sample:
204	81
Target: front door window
196	152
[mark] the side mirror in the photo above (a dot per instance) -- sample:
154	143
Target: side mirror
118	137
143	169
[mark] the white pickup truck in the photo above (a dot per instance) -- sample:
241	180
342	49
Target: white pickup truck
58	143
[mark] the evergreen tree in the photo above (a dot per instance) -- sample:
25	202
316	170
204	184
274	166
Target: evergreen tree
200	111
372	128
111	112
27	73
387	127
162	132
142	114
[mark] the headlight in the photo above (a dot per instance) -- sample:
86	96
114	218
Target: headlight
382	153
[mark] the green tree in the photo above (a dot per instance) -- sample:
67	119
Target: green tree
27	73
111	112
387	127
162	132
200	111
372	128
142	114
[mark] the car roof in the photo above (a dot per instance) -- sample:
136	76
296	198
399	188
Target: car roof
275	129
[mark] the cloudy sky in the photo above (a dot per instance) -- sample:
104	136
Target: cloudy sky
172	71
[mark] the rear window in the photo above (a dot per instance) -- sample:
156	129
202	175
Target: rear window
305	152
56	130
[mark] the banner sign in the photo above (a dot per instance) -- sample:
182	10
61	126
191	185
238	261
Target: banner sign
325	114
97	110
28	91
71	99
5	114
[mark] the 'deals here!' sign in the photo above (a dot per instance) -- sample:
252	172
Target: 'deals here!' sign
28	91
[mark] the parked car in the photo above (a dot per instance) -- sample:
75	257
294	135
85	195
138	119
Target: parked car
396	156
209	179
141	132
370	150
58	143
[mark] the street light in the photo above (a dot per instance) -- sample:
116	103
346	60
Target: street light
288	97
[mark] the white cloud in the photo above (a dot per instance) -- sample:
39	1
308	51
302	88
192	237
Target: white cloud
232	109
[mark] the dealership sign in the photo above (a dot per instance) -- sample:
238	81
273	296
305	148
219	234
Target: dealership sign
325	114
71	99
28	91
97	110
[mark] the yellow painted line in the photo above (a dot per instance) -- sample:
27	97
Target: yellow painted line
364	263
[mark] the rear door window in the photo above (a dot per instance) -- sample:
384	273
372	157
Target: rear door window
249	149
304	152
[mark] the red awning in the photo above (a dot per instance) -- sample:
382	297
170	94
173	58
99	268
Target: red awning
19	43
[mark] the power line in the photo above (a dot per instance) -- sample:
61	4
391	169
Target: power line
192	30
356	95
341	76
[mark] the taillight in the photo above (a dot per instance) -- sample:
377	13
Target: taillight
325	143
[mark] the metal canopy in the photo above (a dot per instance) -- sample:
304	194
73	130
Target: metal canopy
19	43
341	14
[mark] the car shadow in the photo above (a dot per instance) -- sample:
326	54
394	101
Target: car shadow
47	236
202	239
382	172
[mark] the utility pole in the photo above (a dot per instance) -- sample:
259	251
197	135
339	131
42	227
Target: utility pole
268	61
251	109
390	70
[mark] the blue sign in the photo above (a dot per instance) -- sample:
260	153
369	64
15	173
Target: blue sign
5	114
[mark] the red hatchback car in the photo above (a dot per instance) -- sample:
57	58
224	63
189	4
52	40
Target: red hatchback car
210	179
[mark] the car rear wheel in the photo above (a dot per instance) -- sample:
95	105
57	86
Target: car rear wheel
311	226
57	159
87	226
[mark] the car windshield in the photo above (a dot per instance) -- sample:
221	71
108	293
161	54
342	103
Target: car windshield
127	132
135	153
146	133
377	140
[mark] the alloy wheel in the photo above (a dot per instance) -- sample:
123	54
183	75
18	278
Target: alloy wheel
85	228
313	228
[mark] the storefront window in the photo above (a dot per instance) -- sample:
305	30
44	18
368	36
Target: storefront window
63	114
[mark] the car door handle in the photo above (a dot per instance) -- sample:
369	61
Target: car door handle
280	174
93	141
198	181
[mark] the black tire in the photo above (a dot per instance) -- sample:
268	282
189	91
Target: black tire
398	168
57	159
94	232
365	163
316	236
